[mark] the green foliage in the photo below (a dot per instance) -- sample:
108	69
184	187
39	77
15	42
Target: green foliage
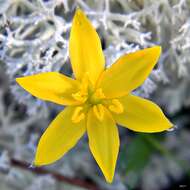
135	155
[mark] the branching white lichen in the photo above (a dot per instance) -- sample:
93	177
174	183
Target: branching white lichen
34	36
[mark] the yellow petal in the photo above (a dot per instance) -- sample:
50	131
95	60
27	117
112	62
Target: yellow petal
103	142
50	86
128	72
142	115
85	48
60	137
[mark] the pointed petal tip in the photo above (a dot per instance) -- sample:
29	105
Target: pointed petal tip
172	128
39	159
78	13
109	179
38	162
171	125
79	18
78	10
23	82
19	80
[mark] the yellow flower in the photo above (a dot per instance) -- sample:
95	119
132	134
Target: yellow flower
97	99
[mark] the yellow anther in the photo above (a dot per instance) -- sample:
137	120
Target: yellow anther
116	106
79	97
78	115
99	94
99	111
82	94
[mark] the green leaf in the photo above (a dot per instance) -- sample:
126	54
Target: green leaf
135	155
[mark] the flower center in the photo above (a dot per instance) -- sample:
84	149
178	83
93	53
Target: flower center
96	97
90	98
87	94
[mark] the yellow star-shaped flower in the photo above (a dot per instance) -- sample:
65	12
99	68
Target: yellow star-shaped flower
97	99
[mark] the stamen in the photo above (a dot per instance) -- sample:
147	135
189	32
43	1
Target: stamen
99	111
116	106
79	96
82	94
99	93
78	115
